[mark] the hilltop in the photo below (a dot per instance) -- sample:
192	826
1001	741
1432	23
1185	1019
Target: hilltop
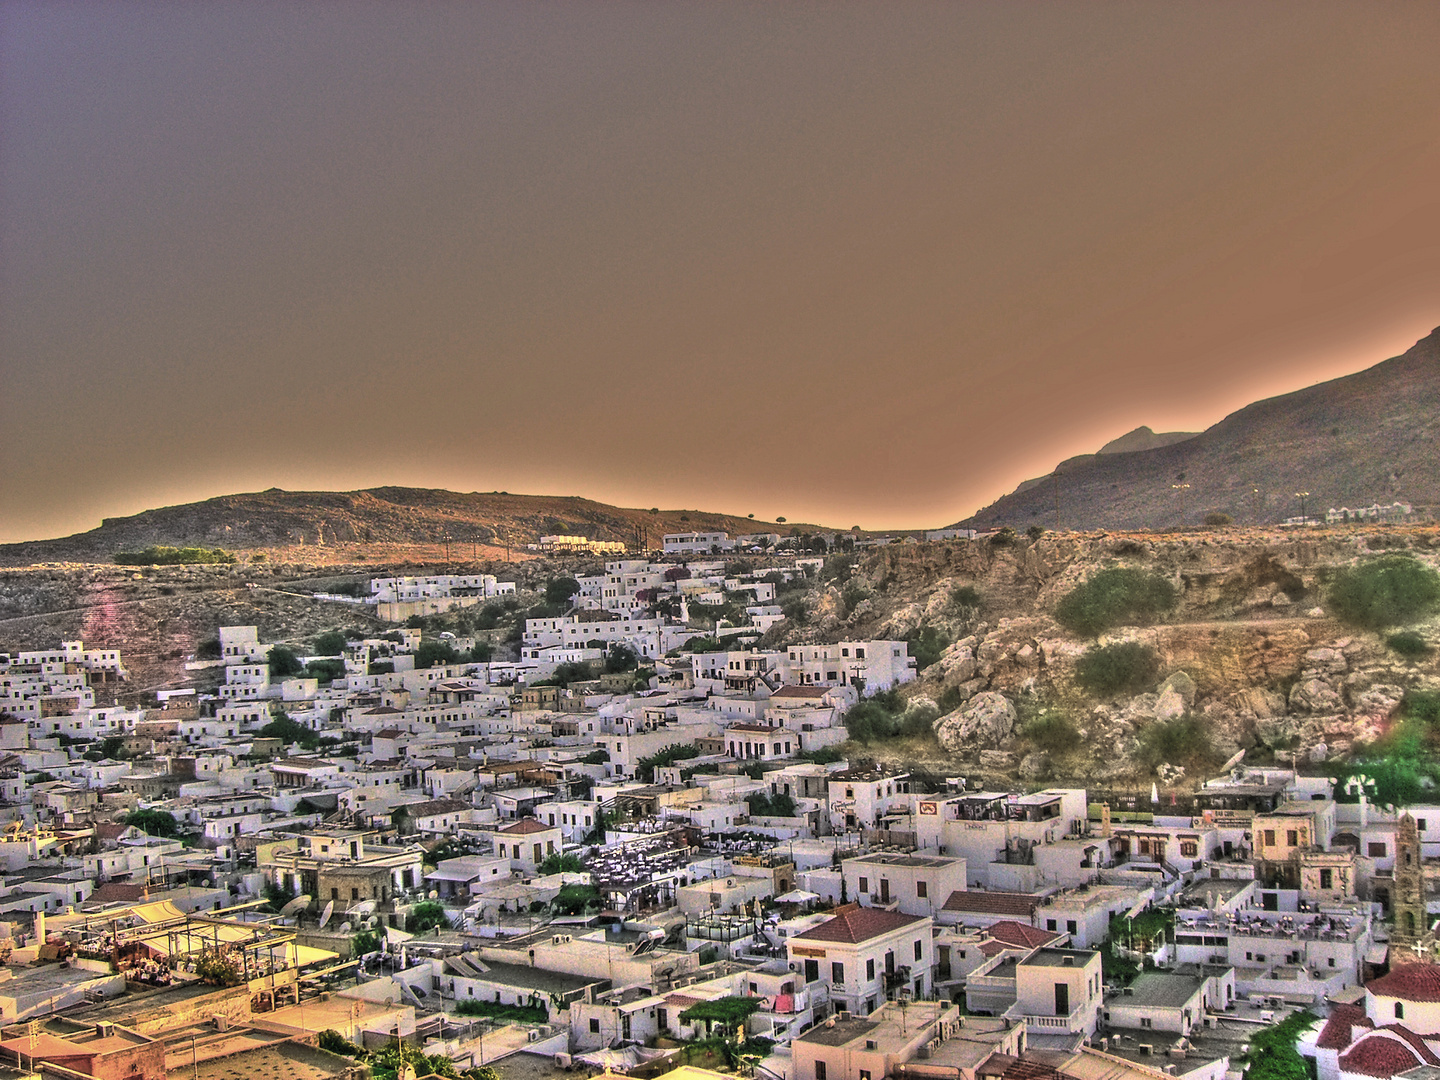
1361	439
379	521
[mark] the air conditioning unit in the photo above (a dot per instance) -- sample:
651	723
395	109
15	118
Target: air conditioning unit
533	1035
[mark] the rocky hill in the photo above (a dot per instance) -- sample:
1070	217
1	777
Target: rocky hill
378	519
1251	658
1365	438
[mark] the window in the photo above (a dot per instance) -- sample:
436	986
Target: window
864	1074
1399	1011
919	950
1292	837
819	1070
1327	878
869	969
1050	924
1376	850
837	972
922	890
864	884
1146	1022
594	1026
1269	837
1070	927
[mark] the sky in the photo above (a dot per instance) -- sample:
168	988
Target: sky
864	263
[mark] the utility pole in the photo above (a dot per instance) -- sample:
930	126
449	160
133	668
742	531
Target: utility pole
1302	496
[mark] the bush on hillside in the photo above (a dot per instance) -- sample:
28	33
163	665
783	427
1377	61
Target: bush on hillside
1125	667
1408	644
1389	591
1182	741
161	555
1115	597
1053	732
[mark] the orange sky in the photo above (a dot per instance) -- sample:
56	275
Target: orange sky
853	263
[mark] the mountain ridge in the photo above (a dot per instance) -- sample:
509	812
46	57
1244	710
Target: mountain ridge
391	515
1368	437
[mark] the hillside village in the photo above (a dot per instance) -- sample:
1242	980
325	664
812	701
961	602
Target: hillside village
684	821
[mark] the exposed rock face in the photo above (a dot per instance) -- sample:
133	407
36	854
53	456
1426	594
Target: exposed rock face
984	722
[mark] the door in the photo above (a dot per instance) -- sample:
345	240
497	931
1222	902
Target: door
884	890
812	971
1062	999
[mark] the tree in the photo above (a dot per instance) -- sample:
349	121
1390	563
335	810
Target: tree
433	652
1389	591
283	661
426	915
288	732
574	899
779	521
325	670
330	643
482	652
729	1012
153	822
621	657
560	590
561	864
208	650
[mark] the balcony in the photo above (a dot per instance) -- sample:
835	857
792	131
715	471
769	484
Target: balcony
1038	1024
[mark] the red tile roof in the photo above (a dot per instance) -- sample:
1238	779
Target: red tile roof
853	924
992	903
1376	1055
1340	1030
1020	936
1409	982
526	825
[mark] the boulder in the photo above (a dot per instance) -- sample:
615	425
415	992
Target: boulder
1169	705
986	720
1330	661
1260	703
1035	766
1315	695
1183	685
997	760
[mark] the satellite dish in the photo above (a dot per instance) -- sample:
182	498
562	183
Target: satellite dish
329	910
433	895
294	907
365	907
373	921
345	928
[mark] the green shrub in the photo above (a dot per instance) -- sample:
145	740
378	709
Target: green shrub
1114	597
1217	519
927	644
965	596
208	650
1052	732
161	555
1408	644
1182	741
1125	667
761	804
525	1014
646	766
332	1041
1388	591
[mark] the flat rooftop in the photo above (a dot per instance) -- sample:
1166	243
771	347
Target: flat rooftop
1060	957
